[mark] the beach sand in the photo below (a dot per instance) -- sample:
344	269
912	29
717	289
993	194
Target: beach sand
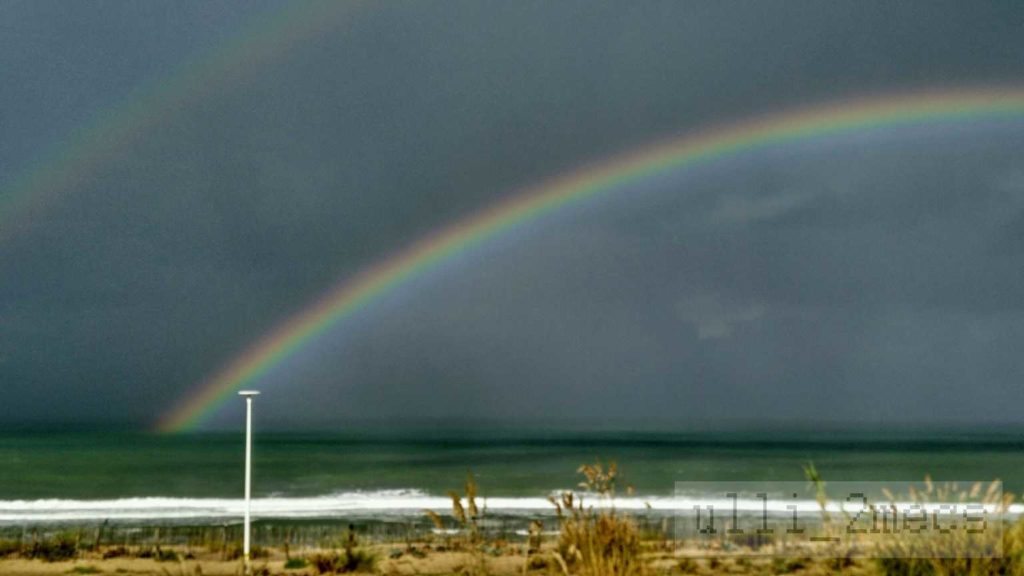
510	563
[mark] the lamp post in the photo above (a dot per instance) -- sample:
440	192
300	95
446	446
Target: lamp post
248	395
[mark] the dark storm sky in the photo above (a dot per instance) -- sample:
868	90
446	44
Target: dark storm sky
872	278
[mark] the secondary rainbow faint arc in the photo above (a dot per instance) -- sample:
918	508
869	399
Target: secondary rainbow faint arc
262	40
353	293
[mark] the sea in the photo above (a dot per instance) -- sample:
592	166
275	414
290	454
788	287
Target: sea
76	477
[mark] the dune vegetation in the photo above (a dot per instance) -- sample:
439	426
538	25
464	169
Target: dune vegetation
582	539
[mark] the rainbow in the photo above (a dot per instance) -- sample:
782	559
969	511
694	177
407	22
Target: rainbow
264	39
352	294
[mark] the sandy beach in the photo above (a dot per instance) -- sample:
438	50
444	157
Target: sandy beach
509	562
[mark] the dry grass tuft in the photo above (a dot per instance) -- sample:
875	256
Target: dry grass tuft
925	556
466	517
596	543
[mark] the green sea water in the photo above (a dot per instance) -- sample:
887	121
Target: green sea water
106	465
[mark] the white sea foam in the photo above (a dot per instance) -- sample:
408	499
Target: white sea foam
382	504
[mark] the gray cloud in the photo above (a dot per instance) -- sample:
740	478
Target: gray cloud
713	318
809	279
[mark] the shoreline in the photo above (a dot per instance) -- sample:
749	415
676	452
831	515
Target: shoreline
359	507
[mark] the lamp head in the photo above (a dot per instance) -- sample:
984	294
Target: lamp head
249	393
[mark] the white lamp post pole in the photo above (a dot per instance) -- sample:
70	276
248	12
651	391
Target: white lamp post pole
248	395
